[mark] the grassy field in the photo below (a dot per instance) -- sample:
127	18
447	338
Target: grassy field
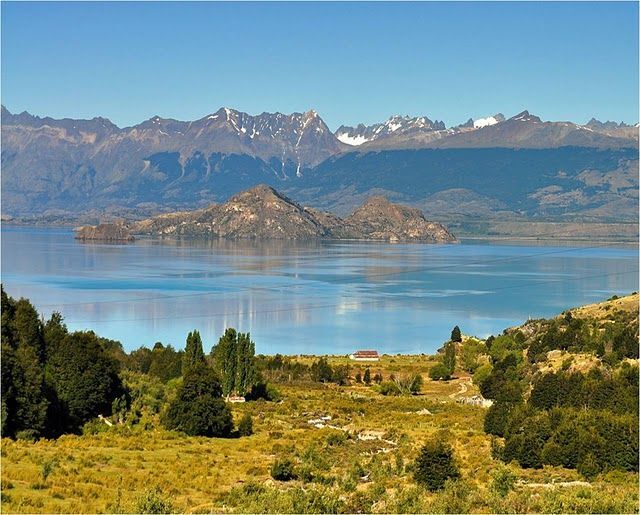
361	461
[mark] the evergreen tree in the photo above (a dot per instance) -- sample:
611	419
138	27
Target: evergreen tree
27	329
456	336
435	464
29	387
54	332
193	353
198	409
367	376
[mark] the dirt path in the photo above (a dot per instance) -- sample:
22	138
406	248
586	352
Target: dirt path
464	386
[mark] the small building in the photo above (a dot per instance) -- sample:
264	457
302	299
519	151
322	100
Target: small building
365	355
235	398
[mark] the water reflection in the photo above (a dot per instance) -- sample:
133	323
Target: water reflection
304	297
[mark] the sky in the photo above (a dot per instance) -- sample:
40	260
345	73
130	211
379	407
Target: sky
351	62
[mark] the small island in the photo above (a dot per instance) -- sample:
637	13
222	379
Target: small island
104	232
264	213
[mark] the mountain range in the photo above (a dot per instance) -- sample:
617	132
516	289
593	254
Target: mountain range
519	166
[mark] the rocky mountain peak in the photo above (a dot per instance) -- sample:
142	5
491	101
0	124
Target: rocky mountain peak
525	116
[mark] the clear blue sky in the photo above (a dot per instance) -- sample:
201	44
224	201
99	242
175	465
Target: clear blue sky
352	62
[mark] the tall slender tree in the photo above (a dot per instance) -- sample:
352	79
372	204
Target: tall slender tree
193	353
449	359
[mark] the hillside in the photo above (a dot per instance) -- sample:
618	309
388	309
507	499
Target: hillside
327	434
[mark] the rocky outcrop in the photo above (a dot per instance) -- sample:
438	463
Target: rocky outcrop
262	212
104	232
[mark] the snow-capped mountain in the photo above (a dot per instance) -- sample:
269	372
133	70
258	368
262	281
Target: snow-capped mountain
397	127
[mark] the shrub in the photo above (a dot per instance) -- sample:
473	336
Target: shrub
481	374
439	371
389	388
48	466
245	426
283	470
29	435
435	464
588	466
153	502
416	384
503	481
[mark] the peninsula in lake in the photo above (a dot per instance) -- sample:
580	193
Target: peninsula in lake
262	212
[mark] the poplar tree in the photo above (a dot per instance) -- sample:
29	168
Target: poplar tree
193	353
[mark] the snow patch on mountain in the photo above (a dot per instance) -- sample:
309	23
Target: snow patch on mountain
351	140
484	122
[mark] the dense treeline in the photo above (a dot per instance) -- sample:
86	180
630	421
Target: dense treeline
584	419
53	381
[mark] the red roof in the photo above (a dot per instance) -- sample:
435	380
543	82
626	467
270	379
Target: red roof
365	353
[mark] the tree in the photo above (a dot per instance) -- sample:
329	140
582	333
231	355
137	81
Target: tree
367	376
29	402
456	336
166	362
321	371
198	409
193	353
54	332
234	360
449	359
85	378
27	328
358	377
434	465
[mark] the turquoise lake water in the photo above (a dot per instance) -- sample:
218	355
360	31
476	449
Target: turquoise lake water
305	298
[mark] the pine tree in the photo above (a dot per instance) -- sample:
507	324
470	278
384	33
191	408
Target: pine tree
456	336
193	353
367	376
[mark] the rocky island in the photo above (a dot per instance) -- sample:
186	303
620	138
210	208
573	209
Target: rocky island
104	232
262	212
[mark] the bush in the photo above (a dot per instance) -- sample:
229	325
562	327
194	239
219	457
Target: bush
245	426
283	470
389	388
503	481
440	371
153	502
416	384
588	466
435	464
29	435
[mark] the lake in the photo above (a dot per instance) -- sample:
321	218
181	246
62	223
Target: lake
307	297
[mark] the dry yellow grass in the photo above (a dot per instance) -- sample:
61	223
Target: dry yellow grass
102	472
